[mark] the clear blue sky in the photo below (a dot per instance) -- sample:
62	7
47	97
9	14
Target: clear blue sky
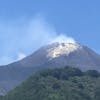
79	19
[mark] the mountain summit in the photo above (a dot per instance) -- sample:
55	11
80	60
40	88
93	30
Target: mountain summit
50	56
63	54
59	49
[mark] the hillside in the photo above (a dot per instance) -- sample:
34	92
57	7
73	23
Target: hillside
53	55
59	84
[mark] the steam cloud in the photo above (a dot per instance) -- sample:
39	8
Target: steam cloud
26	36
63	39
21	56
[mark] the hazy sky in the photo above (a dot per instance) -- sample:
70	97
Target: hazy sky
26	25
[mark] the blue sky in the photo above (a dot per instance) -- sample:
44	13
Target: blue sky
25	25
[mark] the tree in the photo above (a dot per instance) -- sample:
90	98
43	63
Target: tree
92	73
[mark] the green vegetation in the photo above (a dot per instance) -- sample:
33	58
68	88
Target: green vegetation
59	84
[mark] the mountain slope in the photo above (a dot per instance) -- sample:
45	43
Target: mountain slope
59	84
63	54
50	56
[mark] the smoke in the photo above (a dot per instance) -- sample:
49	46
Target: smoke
63	39
26	36
21	56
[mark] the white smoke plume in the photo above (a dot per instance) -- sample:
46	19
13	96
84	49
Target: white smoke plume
63	39
21	56
26	36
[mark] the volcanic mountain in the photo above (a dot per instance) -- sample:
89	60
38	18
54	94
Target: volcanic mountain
49	56
63	54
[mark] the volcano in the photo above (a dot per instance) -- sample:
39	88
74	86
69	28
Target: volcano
53	55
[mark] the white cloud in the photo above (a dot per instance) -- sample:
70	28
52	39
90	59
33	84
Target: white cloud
63	38
27	35
21	56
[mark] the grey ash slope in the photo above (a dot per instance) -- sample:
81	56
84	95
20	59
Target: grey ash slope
50	56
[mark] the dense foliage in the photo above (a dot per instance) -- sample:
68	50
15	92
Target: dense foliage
59	84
